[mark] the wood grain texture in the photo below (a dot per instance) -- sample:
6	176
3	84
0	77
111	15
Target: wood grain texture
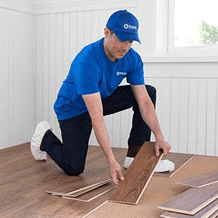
93	194
192	200
80	191
201	180
23	183
137	176
179	159
204	213
214	215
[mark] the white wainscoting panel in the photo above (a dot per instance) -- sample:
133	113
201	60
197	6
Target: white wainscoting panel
17	77
187	105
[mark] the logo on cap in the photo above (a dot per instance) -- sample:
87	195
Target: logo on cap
128	26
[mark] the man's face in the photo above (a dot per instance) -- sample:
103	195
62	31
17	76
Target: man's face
113	47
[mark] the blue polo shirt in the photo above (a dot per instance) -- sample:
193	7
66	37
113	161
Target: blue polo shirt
91	72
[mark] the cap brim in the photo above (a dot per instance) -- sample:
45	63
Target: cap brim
127	36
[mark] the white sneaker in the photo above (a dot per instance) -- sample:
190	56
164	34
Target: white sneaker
36	140
127	162
162	166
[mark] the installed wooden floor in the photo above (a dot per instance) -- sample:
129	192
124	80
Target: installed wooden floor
23	182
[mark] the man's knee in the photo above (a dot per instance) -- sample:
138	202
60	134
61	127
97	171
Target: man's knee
74	171
152	93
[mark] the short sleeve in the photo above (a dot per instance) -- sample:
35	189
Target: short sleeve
86	79
136	76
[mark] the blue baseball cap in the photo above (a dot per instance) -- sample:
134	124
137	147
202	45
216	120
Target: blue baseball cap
125	25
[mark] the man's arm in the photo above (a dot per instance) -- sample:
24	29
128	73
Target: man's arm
149	116
94	105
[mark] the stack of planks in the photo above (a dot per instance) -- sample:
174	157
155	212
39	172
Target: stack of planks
87	193
130	189
200	201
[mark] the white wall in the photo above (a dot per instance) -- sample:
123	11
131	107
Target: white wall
17	76
187	104
187	91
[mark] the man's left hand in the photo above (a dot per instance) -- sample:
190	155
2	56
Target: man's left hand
162	145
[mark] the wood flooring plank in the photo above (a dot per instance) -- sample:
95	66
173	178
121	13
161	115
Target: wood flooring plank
23	182
192	200
137	176
92	195
80	191
214	215
179	159
204	213
90	207
201	180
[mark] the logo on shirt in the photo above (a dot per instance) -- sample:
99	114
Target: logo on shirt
121	73
128	26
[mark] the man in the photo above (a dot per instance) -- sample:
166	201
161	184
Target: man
91	91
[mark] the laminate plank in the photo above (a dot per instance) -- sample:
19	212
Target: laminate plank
80	191
204	213
92	195
91	206
179	159
192	200
214	215
201	180
137	176
24	181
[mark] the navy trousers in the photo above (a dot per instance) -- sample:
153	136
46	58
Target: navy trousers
70	154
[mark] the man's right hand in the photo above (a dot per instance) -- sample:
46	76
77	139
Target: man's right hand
115	172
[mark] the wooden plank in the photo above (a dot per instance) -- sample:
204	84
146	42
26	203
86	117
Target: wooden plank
201	180
214	215
204	213
80	191
90	207
137	176
179	159
92	211
92	195
192	200
20	199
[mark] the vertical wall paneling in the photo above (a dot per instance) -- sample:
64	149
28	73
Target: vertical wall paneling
202	113
192	115
166	110
102	22
73	37
80	30
17	69
95	26
87	27
39	75
183	115
175	110
211	114
11	32
66	44
52	70
45	66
